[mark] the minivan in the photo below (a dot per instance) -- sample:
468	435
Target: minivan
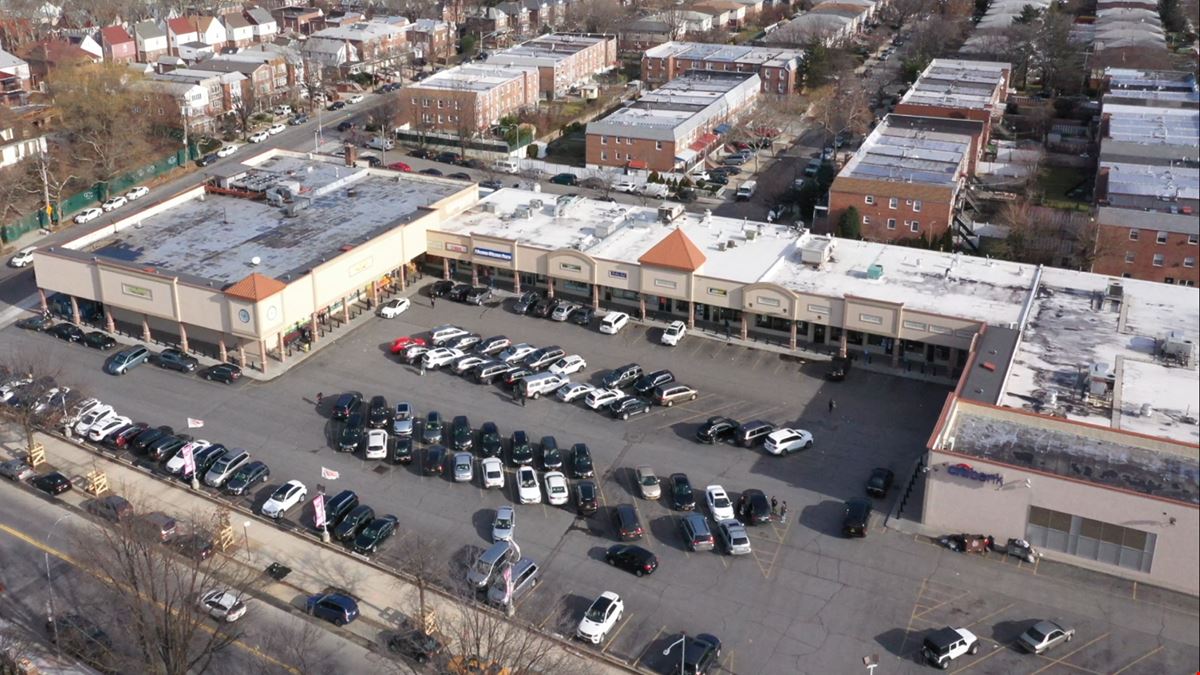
507	165
751	434
224	467
122	361
445	333
544	357
490	563
525	575
613	322
534	386
745	191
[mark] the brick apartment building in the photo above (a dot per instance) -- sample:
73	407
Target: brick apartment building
960	89
906	178
777	67
562	60
471	97
1148	245
671	128
431	40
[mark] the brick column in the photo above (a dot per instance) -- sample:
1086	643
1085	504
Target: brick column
549	287
345	310
474	275
224	353
145	328
516	281
374	293
183	341
262	354
282	353
691	310
403	277
896	347
793	334
74	310
745	326
109	323
842	344
42	298
242	354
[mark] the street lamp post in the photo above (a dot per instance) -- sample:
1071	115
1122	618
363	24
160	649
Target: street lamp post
682	651
50	581
246	537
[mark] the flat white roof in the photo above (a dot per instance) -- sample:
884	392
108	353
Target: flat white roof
958	83
694	98
703	51
901	152
546	50
473	77
1153	125
1164	182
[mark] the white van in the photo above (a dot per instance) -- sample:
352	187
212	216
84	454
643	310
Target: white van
746	190
542	383
507	165
381	143
613	322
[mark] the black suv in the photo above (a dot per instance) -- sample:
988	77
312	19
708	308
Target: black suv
543	308
646	383
858	514
700	654
627	523
459	292
627	407
717	429
581	461
68	332
490	444
753	508
346	404
440	288
353	433
176	360
582	316
551	455
401	449
338	506
435	460
462	437
520	450
358	518
379	413
631	559
523	304
682	497
247	476
623	376
223	372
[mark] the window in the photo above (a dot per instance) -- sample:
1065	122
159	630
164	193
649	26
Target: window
891	223
915	226
871	319
894	203
917	205
1129	257
1193	238
604	140
1091	539
664	283
658	145
1189	262
1133	234
1158	260
1169	280
866	220
441	104
869	199
1161	238
603	156
916	325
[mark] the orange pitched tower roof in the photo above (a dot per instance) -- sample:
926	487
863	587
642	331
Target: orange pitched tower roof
675	251
255	287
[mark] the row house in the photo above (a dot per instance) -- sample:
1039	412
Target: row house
118	45
150	41
379	46
468	99
258	89
431	40
562	60
330	55
518	18
47	55
15	79
286	65
224	92
265	26
726	14
493	25
19	139
299	19
239	32
778	68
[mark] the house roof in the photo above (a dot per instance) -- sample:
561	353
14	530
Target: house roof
259	16
59	51
255	287
236	21
675	251
115	35
10	60
148	29
183	25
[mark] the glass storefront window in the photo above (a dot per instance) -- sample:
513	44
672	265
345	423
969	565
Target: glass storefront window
1091	539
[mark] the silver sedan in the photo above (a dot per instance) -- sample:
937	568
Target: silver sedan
1044	635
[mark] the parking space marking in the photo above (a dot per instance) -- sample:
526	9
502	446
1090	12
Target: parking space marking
1139	659
990	614
996	649
943	603
649	644
1075	651
613	637
708	413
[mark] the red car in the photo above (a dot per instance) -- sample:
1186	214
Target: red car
400	343
400	166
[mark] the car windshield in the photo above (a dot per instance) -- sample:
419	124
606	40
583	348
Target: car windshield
374	528
598	610
741	541
282	492
527	479
682	489
649	479
504	522
720	501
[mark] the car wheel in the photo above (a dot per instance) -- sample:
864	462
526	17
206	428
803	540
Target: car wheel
974	649
612	562
625	416
808	445
693	398
943	664
1070	636
638	573
670	403
339	621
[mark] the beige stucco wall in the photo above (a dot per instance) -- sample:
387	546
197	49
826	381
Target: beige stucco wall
665	282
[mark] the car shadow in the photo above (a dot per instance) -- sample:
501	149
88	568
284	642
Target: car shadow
262	494
824	517
1007	632
482	519
597	553
897	638
653	658
665	530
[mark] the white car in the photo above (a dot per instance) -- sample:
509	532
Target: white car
23	257
436	358
517	353
11	387
648	483
227	151
528	490
394	307
54	397
504	524
786	441
600	618
285	497
88	215
258	137
175	465
464	467
106	426
562	311
718	503
137	193
377	444
93	417
625	185
223	605
598	398
734	539
114	203
568	365
276	129
673	333
468	362
556	488
573	390
493	472
613	322
355	98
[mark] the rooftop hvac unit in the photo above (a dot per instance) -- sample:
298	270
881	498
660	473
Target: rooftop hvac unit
489	207
523	212
1175	346
536	204
751	234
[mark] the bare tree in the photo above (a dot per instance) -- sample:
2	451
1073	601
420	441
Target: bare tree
487	637
38	401
291	646
596	16
51	176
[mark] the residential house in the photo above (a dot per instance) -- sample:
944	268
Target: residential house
468	99
181	31
151	41
562	60
453	12
19	140
259	87
541	15
118	45
726	14
171	102
239	32
224	91
286	66
379	46
192	52
1154	244
15	79
674	127
518	18
85	39
47	55
329	54
492	25
299	19
642	34
431	40
778	68
265	26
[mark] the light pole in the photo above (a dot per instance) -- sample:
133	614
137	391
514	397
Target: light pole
324	514
682	651
246	537
50	582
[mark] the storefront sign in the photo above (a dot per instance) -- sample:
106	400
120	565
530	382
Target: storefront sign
457	248
360	266
967	471
618	274
570	267
717	291
492	253
137	291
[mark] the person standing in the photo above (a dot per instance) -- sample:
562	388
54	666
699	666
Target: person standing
432	302
774	505
320	397
832	406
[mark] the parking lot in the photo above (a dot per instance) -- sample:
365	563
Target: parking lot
805	600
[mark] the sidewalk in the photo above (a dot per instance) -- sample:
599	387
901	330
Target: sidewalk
384	597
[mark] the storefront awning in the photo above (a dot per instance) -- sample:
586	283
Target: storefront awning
723	129
703	142
636	164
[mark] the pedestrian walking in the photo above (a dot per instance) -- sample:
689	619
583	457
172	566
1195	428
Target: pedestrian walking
832	406
432	302
523	397
320	397
422	367
783	512
726	329
774	506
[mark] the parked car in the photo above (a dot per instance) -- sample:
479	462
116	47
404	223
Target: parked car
247	477
551	455
879	482
694	655
572	391
613	322
520	450
581	461
557	493
647	482
754	508
113	508
226	150
670	394
627	523
346	404
525	302
284	498
414	643
67	332
683	497
16	470
647	383
258	137
568	365
948	644
402	419
631	558
629	406
582	316
695	531
126	359
23	257
600	618
1044	635
223	604
53	483
528	489
376	532
717	429
733	536
857	518
336	608
491	469
621	377
432	432
565	179
114	203
394	307
586	501
99	340
209	159
786	441
353	432
490	444
719	504
353	522
222	372
176	359
435	460
464	467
